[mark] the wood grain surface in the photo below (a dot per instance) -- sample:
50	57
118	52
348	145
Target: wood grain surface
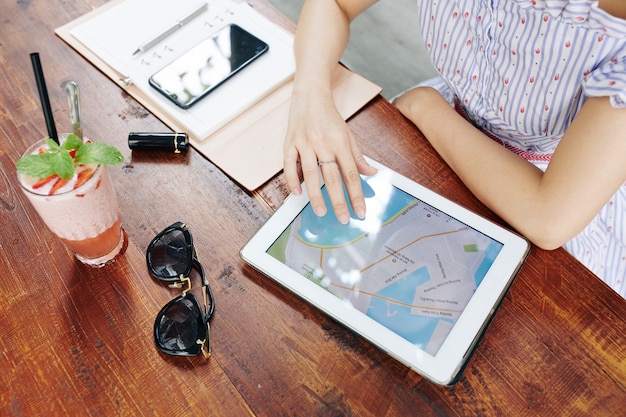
78	341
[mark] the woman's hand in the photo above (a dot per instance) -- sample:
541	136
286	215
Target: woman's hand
317	135
319	138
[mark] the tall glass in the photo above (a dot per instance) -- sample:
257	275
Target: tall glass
85	218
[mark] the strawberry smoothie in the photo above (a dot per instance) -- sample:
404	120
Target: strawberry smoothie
82	211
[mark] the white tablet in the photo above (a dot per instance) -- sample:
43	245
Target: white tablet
420	277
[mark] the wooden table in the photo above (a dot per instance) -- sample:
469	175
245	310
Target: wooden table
78	341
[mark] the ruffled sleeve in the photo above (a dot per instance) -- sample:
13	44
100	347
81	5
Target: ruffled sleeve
608	77
608	80
582	13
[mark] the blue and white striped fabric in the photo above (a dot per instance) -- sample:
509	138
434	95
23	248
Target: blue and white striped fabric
521	70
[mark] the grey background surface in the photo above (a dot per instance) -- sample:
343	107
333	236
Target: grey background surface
385	45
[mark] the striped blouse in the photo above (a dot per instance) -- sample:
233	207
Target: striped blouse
521	70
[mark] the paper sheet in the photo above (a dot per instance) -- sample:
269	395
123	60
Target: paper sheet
117	32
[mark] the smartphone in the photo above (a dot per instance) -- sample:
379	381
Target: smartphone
206	66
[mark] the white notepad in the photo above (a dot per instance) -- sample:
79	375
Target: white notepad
420	276
114	35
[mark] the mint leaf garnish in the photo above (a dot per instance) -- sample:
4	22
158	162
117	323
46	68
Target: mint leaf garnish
61	160
52	145
45	164
72	142
36	166
98	153
62	164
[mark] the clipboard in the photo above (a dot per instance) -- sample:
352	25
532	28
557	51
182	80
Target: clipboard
249	146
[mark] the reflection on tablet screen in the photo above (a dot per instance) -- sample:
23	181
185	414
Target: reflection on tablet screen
407	265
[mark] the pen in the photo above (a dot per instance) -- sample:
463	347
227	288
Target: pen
167	32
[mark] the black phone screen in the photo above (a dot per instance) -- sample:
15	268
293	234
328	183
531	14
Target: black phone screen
207	65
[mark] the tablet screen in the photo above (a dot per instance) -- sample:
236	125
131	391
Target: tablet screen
407	265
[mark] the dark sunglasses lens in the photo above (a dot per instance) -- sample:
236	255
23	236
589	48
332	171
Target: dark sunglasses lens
169	255
179	326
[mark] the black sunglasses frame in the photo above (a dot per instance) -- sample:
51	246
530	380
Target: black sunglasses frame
178	280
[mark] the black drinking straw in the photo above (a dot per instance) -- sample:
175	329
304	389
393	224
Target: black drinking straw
43	95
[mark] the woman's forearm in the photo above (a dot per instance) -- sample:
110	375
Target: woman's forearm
316	131
322	34
499	178
538	205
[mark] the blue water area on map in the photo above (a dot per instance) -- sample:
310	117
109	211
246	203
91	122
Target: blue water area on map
396	316
491	253
328	231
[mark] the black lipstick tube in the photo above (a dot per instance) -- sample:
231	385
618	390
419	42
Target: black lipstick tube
154	141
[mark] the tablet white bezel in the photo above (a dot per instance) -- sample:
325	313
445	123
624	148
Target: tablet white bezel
444	367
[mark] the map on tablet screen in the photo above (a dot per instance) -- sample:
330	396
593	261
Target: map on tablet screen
408	266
